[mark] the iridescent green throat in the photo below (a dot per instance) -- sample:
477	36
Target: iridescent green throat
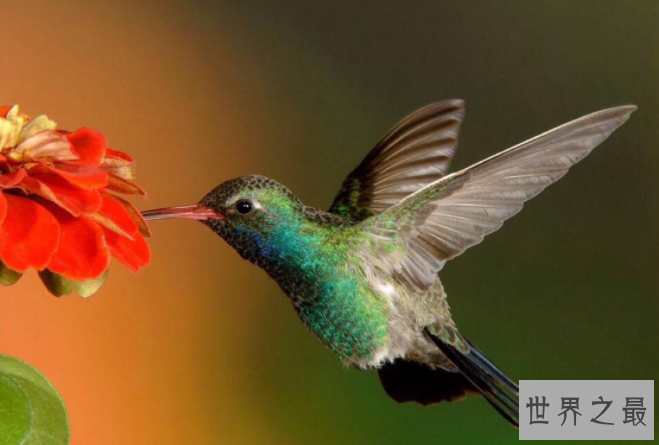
310	254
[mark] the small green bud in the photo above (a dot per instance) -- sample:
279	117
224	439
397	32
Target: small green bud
8	276
59	285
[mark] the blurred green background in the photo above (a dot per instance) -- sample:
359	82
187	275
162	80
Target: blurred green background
203	348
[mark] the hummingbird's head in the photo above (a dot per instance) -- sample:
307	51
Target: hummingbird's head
249	212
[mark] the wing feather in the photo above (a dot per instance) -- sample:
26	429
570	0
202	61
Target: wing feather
415	153
443	219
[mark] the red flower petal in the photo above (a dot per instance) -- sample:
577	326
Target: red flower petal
3	207
47	146
110	153
82	253
118	215
120	185
85	177
134	254
28	236
12	179
136	215
4	110
89	144
119	167
71	198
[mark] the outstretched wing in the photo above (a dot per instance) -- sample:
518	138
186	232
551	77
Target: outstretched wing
415	153
442	220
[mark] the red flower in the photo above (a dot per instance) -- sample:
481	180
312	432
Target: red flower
59	209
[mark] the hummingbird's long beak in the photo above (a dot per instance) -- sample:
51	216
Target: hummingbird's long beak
194	211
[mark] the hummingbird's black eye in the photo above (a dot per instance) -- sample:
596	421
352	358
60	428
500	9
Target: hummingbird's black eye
244	207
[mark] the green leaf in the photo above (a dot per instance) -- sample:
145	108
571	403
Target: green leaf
31	410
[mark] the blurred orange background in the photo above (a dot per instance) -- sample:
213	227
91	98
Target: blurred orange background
132	365
203	348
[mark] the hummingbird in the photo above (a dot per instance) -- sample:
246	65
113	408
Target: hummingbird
363	276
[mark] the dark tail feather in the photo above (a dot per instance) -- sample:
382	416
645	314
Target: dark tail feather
407	381
501	392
